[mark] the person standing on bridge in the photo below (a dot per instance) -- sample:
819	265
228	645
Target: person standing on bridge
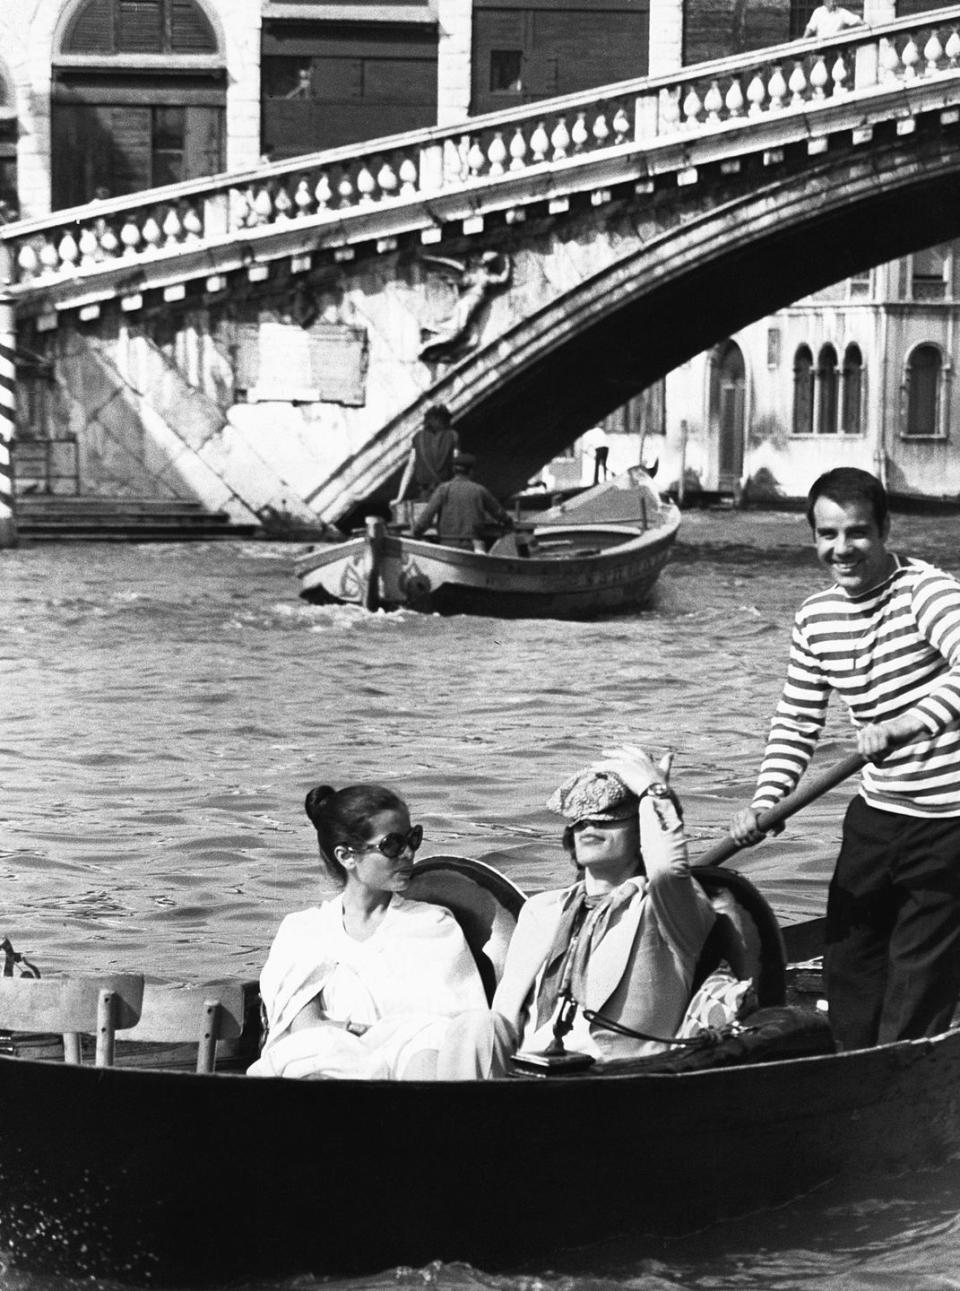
829	20
886	637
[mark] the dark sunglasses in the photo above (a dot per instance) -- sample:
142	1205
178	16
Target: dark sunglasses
394	845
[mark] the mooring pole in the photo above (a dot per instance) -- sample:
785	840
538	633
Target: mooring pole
8	399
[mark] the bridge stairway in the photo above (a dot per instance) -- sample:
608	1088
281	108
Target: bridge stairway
53	518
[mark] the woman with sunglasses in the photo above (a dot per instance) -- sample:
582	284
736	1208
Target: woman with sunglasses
606	966
370	985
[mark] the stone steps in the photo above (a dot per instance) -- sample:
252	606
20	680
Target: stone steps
70	518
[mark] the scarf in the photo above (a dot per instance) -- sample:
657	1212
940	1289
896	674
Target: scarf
583	923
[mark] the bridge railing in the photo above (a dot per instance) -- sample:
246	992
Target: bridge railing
339	184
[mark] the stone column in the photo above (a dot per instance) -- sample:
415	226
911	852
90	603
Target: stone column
8	389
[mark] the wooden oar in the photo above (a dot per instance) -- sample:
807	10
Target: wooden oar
805	792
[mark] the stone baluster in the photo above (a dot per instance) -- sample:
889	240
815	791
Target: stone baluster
68	252
192	225
89	246
518	150
692	107
600	130
952	49
28	262
734	100
282	205
263	207
539	142
797	85
839	74
323	192
366	184
889	60
819	76
910	57
932	53
387	180
621	125
756	93
712	103
409	177
302	198
560	139
777	89
496	154
130	237
476	161
172	228
580	135
49	257
345	189
152	234
669	113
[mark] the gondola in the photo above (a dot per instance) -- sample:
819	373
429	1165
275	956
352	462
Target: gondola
169	1177
598	553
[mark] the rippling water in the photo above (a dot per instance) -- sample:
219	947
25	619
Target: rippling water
165	708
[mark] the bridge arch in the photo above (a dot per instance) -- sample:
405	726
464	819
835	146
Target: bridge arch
672	288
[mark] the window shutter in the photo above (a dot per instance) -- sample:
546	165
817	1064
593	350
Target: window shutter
190	30
91	31
140	27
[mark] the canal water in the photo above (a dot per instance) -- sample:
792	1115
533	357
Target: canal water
165	708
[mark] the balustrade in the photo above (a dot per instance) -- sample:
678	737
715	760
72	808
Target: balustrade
645	113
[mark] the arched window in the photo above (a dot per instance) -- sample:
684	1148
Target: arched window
924	370
852	391
139	96
827	391
109	27
803	391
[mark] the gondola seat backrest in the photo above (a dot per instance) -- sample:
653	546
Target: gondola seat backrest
484	902
746	935
73	1007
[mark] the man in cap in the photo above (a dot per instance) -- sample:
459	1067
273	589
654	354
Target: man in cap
462	508
621	945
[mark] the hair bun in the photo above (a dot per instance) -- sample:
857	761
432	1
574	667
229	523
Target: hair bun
316	800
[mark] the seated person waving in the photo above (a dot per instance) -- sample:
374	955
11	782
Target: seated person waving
370	985
621	945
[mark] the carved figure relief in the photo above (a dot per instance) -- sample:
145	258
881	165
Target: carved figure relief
473	281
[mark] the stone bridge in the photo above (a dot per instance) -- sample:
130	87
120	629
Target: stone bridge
268	341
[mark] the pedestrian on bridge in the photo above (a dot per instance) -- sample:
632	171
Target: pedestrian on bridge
829	20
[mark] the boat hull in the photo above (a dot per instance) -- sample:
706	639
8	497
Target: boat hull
616	570
172	1177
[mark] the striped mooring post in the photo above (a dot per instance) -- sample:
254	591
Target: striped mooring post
8	396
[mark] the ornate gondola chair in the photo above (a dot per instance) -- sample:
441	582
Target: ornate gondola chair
485	903
746	935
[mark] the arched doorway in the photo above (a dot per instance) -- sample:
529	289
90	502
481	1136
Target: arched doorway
138	99
727	413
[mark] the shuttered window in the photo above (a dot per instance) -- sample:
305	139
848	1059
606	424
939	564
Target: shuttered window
108	27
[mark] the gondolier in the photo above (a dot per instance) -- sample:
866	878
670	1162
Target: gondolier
886	637
462	508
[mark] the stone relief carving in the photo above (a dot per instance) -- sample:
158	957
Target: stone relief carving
473	280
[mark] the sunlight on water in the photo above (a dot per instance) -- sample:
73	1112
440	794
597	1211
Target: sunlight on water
165	709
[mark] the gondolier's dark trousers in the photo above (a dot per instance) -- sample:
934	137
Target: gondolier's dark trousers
892	962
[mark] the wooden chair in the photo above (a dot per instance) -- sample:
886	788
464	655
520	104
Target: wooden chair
71	1007
199	1015
746	935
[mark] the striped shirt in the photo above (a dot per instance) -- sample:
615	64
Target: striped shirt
889	651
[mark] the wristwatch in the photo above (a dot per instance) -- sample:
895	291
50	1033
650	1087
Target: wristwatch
656	790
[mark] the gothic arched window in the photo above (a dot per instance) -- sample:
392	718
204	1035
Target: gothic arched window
852	391
923	380
827	382
803	391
